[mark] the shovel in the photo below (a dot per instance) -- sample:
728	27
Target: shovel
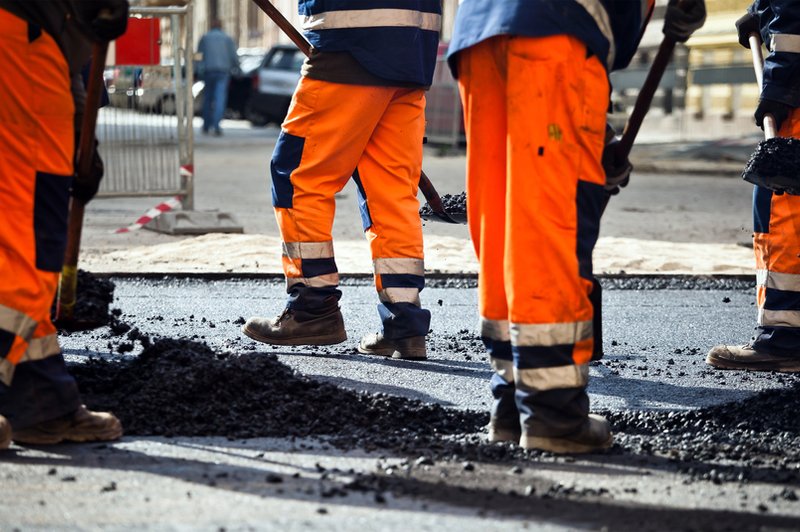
68	285
774	163
425	185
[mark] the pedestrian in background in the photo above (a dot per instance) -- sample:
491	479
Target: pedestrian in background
218	61
776	217
533	76
358	111
43	45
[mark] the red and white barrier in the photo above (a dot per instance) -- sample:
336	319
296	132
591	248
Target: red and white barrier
155	212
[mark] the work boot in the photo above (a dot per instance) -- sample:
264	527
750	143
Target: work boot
80	426
502	430
289	329
5	433
745	357
412	348
594	435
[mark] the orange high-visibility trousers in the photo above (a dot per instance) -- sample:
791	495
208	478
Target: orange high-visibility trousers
374	134
535	111
776	241
36	166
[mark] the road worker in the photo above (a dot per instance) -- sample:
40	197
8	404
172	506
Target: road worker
776	218
358	112
533	76
42	49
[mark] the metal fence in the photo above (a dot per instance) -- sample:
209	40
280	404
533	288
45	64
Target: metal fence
443	114
145	132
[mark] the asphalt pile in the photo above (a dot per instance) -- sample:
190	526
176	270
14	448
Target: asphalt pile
452	203
754	439
182	387
93	299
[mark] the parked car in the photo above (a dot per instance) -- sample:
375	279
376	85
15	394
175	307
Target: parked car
242	83
240	86
273	86
121	84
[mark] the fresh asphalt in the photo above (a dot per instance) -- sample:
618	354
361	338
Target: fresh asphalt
655	346
655	340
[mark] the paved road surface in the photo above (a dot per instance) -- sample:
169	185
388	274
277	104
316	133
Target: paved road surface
656	341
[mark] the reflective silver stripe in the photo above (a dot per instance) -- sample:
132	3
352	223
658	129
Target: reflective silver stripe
16	322
504	368
785	42
400	295
399	266
541	379
373	18
320	281
779	281
778	318
6	371
41	348
598	13
495	330
308	250
548	334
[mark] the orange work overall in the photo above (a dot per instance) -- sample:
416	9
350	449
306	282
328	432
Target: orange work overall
776	242
535	110
374	134
36	166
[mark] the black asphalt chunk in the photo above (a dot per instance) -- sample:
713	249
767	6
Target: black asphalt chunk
94	295
775	164
452	203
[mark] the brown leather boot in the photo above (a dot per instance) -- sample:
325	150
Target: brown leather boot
286	329
80	426
412	348
745	357
594	435
5	433
504	431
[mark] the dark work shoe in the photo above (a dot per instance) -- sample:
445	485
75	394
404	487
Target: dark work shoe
745	357
504	430
412	348
81	426
286	329
594	435
5	433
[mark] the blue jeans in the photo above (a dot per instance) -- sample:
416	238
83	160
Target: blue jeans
215	97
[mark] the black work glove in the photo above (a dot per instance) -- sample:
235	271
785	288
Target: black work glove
682	20
779	110
747	25
106	19
618	173
86	188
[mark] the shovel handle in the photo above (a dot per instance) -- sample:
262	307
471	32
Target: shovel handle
645	97
770	129
68	285
280	21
